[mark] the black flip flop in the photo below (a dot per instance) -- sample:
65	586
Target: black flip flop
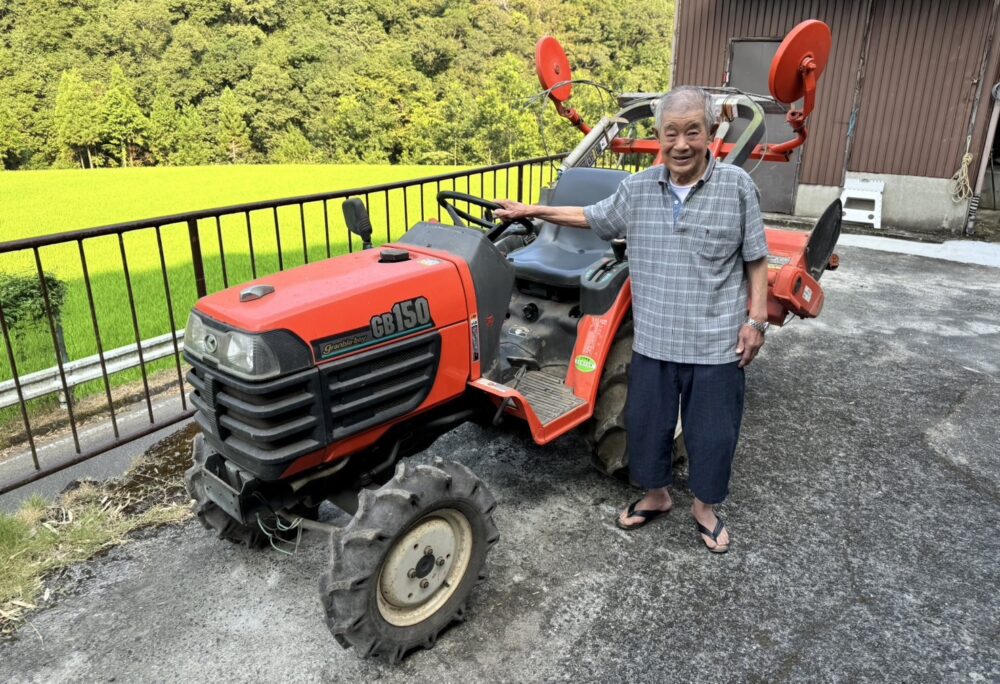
647	516
714	534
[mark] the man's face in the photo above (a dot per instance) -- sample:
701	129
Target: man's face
684	142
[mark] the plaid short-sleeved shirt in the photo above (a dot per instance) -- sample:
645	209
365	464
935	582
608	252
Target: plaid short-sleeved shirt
689	288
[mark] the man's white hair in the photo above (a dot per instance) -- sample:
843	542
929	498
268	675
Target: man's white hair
684	99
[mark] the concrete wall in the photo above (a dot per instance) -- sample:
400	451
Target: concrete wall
812	200
910	203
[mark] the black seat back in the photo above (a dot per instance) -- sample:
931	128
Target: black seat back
580	187
560	255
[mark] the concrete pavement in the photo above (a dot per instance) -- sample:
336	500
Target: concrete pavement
864	505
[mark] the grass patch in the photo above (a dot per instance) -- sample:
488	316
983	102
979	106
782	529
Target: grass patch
43	538
45	202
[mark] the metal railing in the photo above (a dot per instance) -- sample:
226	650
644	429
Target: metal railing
125	316
81	371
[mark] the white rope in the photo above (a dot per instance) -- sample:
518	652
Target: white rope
963	189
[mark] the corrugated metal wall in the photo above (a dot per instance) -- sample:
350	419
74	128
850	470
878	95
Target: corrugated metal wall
922	59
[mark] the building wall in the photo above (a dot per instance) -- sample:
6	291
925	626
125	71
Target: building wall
895	100
921	78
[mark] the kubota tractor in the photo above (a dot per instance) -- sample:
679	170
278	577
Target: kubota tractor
313	384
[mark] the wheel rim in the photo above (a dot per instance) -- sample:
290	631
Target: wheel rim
424	568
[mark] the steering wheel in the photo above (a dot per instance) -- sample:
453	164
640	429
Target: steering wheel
493	228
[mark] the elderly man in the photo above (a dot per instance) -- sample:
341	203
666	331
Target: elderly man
697	256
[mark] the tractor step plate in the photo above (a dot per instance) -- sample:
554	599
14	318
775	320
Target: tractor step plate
549	397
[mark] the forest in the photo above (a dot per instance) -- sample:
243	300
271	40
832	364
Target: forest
99	83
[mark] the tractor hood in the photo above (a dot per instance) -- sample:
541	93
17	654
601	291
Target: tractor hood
348	301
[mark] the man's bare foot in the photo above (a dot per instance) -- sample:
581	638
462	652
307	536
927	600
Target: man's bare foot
655	500
705	516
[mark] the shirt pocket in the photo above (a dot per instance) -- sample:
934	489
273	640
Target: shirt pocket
717	243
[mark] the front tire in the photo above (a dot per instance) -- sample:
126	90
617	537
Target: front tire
211	516
402	570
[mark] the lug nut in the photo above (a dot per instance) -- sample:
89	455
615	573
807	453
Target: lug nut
440	561
424	584
411	573
428	551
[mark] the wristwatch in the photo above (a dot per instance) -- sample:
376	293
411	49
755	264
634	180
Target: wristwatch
759	326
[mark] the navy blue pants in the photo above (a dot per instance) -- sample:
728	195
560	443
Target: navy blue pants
711	407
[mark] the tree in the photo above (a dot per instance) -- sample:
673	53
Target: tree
232	133
192	146
76	117
292	147
180	68
273	103
264	13
360	80
11	140
162	131
122	122
504	128
426	140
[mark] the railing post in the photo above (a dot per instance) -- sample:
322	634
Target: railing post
520	182
196	259
67	396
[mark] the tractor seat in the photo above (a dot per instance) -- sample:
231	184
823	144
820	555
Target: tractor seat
560	255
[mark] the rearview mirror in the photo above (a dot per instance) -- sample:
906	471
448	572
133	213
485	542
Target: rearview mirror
356	216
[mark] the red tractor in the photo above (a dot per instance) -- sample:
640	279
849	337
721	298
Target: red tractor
313	384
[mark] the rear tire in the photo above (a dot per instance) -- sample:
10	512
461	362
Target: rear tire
402	570
605	432
211	516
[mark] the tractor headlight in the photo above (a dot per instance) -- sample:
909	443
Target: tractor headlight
245	355
194	336
248	355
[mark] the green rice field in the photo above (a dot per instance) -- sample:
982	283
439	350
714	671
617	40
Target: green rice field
39	203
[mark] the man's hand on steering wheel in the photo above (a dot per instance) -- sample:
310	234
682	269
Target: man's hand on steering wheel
512	210
492	221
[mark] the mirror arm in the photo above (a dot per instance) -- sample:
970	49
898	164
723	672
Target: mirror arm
797	119
573	117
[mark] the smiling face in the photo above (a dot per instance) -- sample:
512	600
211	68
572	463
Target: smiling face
684	139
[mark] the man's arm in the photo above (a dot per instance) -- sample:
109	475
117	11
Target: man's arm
563	216
757	286
608	219
751	339
754	250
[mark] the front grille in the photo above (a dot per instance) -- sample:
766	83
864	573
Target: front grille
272	421
263	426
379	385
